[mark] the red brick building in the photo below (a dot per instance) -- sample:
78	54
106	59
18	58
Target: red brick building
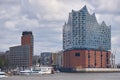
27	39
86	59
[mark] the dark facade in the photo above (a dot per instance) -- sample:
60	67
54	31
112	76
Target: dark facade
20	56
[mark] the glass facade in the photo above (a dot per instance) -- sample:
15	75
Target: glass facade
82	31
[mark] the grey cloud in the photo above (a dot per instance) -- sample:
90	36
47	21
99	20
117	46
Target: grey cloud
28	9
108	12
9	2
105	6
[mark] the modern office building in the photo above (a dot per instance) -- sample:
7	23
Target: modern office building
86	43
57	59
46	59
27	39
20	56
54	59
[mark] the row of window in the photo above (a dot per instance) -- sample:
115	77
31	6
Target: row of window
107	60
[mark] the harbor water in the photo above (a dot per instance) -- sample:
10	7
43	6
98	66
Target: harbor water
67	76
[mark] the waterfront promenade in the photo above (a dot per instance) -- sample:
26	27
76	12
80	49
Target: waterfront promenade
68	76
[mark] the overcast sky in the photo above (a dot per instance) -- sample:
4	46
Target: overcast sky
45	19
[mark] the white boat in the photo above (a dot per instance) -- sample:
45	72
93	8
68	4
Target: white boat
26	72
45	70
2	74
38	70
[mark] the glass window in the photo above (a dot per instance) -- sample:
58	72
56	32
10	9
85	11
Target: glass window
77	54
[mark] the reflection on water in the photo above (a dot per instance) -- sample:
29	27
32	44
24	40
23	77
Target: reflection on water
68	76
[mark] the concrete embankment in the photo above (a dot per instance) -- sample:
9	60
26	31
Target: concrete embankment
92	70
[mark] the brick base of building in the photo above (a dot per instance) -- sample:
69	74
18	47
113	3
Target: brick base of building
77	59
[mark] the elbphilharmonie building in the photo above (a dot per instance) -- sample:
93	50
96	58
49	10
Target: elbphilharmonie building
86	43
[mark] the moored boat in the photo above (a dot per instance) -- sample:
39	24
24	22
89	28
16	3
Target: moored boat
2	74
38	70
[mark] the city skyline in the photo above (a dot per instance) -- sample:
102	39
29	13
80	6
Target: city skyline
46	18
